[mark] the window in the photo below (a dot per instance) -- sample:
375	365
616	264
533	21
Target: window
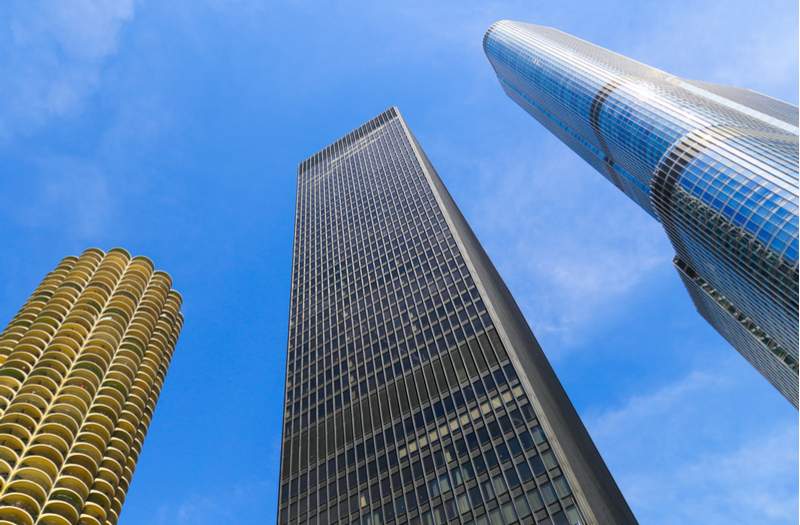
499	485
509	515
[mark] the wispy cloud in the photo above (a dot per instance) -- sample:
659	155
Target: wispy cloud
224	505
764	59
569	246
573	249
53	55
701	448
225	502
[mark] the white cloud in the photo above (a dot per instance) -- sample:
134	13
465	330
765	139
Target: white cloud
570	246
709	44
705	448
745	485
52	58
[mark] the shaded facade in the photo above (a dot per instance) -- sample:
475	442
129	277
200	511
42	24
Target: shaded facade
415	390
81	368
716	165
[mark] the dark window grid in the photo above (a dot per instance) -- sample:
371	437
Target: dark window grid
297	242
366	249
450	328
384	254
454	421
525	454
406	336
427	311
411	308
342	146
410	416
495	471
321	360
411	248
387	427
370	490
359	285
409	365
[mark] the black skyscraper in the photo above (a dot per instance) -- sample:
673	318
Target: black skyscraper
415	390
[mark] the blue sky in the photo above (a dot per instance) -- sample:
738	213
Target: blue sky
174	129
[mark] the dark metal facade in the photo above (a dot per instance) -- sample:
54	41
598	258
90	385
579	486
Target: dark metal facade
716	165
415	392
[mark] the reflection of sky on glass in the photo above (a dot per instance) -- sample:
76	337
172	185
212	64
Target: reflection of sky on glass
174	129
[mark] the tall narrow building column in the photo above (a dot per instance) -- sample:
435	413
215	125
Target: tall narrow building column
415	390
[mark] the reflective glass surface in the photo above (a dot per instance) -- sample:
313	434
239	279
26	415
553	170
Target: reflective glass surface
717	165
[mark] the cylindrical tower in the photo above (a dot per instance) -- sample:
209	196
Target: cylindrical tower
716	165
81	368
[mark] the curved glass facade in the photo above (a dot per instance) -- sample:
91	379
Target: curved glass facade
716	165
81	369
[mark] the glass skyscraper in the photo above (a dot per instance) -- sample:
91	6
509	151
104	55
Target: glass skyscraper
415	390
716	165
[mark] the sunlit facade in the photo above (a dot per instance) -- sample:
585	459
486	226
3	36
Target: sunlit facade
81	368
716	165
415	390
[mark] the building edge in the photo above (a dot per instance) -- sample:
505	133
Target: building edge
598	494
295	231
